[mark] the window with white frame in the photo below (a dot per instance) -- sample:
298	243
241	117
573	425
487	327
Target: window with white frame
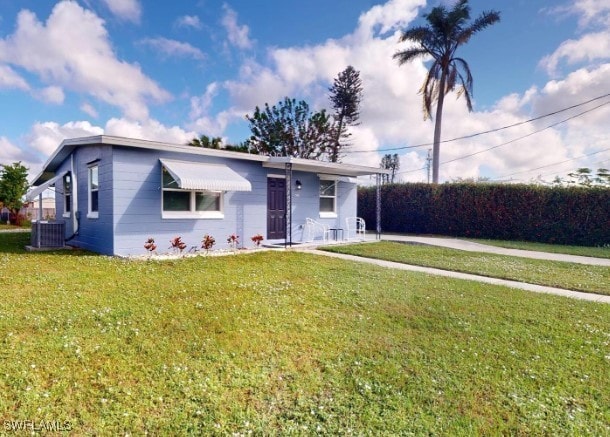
180	203
67	194
93	191
328	198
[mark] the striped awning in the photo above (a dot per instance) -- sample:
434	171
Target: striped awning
34	192
209	177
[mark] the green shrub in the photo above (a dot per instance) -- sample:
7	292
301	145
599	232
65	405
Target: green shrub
574	215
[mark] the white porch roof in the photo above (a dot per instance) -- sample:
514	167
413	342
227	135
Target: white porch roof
32	194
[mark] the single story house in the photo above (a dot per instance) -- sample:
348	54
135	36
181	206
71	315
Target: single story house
114	193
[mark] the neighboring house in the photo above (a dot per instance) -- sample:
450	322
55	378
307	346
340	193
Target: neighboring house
31	209
113	193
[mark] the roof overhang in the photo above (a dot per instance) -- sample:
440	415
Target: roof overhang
323	167
67	147
299	164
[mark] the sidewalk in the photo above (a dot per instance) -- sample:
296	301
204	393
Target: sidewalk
454	243
476	247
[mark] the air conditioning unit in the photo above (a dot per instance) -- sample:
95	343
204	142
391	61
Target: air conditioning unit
52	234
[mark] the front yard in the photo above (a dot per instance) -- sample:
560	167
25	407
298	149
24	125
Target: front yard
280	342
578	277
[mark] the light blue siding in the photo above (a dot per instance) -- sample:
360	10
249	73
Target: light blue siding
137	200
130	202
93	234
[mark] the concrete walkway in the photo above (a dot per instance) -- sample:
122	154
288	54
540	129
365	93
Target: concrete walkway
454	243
477	247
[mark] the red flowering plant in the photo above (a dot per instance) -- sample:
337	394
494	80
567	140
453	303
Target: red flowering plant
150	245
257	240
233	241
177	244
208	242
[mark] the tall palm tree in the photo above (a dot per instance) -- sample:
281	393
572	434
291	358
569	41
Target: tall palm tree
446	31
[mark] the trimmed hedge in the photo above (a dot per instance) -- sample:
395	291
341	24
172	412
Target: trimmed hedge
574	216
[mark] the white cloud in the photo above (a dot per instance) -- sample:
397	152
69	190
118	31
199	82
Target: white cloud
590	47
201	105
591	11
9	153
238	35
10	79
390	91
51	94
170	47
87	108
45	137
215	125
72	50
393	15
187	21
391	113
128	10
149	129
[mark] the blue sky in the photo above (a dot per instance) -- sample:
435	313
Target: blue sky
171	70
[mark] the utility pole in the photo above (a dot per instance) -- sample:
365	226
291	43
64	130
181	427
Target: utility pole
429	164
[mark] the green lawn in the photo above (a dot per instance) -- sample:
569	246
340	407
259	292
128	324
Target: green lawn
597	252
594	279
287	342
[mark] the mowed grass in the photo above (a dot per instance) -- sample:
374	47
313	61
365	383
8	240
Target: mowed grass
597	252
571	276
287	342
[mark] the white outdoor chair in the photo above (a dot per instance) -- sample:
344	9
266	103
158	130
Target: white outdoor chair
355	228
313	229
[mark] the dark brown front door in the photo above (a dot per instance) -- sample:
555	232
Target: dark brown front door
276	208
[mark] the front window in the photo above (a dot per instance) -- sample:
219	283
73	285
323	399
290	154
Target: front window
179	203
93	191
328	198
67	194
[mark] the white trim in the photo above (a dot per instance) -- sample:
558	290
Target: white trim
67	194
192	215
75	213
308	165
333	213
328	214
90	213
328	177
277	176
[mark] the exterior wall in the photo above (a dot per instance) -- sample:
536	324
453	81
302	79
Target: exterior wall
138	215
93	234
137	200
130	196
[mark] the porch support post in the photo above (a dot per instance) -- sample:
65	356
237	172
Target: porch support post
288	238
38	224
378	205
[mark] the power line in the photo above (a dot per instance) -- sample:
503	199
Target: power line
528	135
487	131
555	172
516	139
551	165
